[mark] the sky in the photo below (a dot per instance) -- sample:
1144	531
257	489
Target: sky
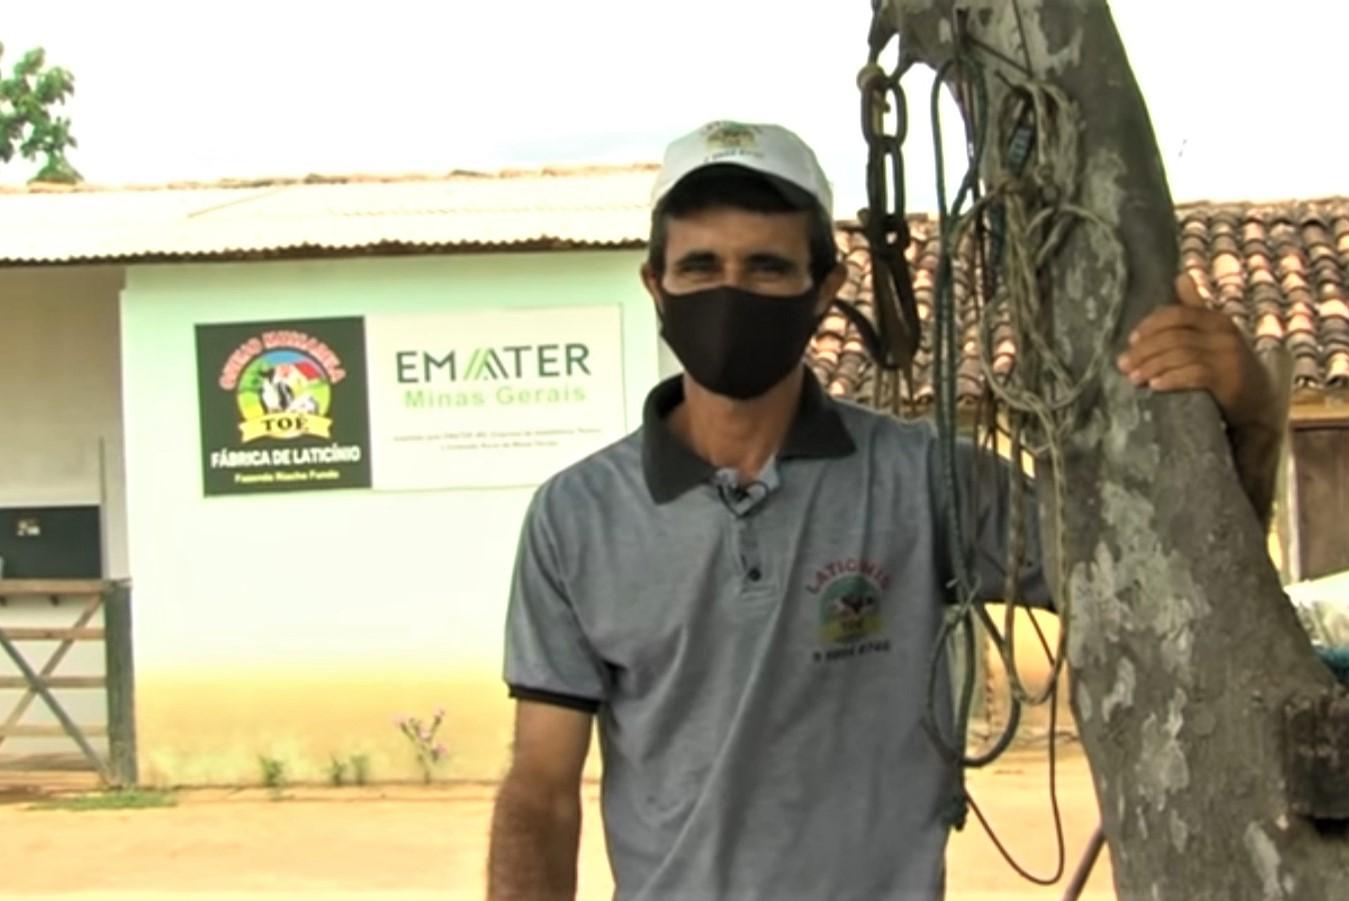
1245	96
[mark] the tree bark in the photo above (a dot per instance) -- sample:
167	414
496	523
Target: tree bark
1183	648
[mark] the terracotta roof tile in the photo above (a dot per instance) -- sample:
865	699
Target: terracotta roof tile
1280	271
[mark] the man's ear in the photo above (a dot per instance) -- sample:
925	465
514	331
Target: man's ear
651	281
829	288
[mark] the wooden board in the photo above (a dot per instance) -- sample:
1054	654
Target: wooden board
1322	411
52	730
13	588
38	633
1321	457
19	682
47	763
1316	756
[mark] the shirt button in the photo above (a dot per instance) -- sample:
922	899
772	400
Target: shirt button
755	574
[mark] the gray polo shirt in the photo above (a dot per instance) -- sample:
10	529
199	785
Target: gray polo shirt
757	656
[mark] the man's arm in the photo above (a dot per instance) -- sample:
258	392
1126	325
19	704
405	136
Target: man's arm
1187	347
536	828
1258	446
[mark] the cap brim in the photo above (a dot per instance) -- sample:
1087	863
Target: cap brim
793	194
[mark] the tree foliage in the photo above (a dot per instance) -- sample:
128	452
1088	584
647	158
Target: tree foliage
29	126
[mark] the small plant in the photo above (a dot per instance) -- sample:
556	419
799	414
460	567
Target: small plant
360	768
430	753
337	771
273	773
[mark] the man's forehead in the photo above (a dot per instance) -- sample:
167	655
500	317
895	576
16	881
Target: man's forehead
730	227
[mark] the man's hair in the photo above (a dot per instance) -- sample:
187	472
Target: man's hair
742	189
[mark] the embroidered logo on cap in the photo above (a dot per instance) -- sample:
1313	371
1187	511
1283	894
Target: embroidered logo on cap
732	136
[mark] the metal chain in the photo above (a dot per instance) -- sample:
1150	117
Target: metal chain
893	342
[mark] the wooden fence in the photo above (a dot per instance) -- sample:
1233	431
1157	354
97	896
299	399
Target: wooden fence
40	681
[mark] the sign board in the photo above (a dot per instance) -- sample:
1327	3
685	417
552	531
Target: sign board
283	406
492	399
406	402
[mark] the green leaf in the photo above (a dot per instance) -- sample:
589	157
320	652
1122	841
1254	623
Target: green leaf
31	62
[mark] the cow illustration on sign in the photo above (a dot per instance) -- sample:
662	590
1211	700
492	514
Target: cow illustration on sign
287	388
284	393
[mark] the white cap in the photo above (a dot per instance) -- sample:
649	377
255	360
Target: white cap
770	149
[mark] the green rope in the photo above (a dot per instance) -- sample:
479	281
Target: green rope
1029	151
1041	390
961	614
1033	212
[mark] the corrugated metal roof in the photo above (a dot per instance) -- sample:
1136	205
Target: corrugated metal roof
594	206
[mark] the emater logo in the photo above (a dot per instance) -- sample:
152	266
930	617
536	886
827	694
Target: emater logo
506	375
512	361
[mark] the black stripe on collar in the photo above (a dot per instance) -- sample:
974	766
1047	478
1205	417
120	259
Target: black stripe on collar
671	468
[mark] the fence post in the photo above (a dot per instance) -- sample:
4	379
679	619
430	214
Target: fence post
121	683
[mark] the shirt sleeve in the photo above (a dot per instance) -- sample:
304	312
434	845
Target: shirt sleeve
548	657
986	501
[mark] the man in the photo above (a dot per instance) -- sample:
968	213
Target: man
746	591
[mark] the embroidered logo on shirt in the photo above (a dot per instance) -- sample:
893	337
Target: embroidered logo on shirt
851	621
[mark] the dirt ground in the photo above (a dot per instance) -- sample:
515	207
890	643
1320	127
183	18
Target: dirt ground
404	843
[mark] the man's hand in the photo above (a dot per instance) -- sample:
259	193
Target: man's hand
1188	347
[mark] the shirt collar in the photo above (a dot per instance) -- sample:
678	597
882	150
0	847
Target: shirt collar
671	468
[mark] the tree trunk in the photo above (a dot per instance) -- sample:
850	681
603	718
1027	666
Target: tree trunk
1183	649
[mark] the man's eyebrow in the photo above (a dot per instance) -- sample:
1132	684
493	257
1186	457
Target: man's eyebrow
696	258
772	260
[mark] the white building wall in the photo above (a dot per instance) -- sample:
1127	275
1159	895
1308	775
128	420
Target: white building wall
299	624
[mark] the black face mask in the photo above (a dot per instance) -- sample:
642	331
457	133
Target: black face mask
738	343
